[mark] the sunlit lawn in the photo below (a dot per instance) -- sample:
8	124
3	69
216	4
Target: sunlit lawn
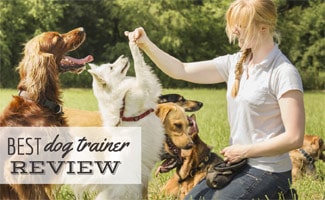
214	130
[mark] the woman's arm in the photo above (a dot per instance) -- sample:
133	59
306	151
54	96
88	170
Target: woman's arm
293	117
204	72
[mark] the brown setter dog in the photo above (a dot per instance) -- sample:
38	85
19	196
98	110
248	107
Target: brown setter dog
38	103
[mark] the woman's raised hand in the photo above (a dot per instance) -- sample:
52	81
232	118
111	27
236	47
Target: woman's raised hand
138	36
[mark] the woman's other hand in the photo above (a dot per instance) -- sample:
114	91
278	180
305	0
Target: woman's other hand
235	153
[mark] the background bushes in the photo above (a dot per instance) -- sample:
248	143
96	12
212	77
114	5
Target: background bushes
190	30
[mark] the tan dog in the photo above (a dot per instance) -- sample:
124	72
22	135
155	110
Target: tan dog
177	130
176	124
83	118
188	105
303	159
193	167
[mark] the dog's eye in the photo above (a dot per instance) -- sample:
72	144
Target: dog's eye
178	126
181	99
58	38
111	68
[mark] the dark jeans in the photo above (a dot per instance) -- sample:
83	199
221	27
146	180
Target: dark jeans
251	183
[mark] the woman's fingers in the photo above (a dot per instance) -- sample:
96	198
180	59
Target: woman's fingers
136	35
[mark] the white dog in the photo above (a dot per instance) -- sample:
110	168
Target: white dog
130	102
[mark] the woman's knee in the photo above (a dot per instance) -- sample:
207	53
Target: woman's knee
250	183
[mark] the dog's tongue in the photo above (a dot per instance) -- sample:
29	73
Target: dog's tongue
194	128
74	65
166	166
77	61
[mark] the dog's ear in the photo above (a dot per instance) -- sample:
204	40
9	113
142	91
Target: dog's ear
193	117
162	111
315	141
35	72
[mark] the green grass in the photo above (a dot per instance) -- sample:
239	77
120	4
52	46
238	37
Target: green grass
214	130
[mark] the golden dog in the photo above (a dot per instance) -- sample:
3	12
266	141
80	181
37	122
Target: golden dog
176	124
188	105
83	118
191	165
303	159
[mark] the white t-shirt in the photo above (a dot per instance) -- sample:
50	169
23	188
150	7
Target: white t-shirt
254	115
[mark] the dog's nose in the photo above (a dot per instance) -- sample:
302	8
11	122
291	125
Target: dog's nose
200	104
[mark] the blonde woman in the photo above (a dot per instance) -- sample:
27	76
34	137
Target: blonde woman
264	96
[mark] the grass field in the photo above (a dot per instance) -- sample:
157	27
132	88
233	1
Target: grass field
214	130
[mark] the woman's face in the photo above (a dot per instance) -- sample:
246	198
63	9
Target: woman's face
238	31
242	36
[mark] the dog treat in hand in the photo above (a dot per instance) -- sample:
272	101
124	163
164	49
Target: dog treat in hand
220	174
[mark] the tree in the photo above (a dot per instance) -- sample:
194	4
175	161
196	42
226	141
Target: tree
302	28
20	21
190	30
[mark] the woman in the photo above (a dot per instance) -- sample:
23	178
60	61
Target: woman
264	96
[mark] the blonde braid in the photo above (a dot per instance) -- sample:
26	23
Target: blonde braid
239	72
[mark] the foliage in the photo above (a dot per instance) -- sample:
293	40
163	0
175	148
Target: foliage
304	42
20	20
189	30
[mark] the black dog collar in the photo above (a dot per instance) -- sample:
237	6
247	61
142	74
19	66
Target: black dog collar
307	156
53	106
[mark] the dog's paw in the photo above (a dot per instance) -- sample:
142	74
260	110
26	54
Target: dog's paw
132	44
135	50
